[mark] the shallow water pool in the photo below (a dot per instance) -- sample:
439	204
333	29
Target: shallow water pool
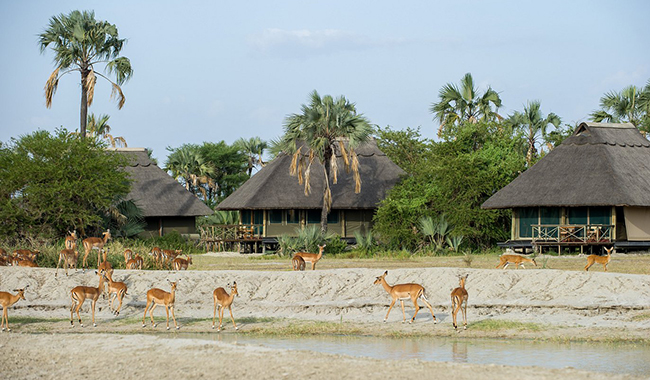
598	357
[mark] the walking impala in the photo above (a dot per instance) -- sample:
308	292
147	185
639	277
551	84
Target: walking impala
459	301
116	291
7	300
604	260
505	260
156	297
79	295
402	292
94	243
298	263
312	257
224	300
69	258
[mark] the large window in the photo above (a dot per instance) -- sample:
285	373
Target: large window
333	217
275	216
600	215
313	216
293	217
527	217
578	215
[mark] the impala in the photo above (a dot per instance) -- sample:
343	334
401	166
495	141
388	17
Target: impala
79	295
139	260
506	260
20	262
26	254
402	292
71	240
157	256
104	265
132	264
181	264
224	300
69	258
312	257
156	297
128	255
116	290
298	263
170	255
7	300
604	260
94	243
459	301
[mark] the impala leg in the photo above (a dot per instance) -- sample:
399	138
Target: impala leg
233	318
465	314
5	316
153	306
454	312
417	308
505	266
214	314
605	266
430	309
174	318
167	312
221	310
72	313
119	307
389	309
145	313
403	313
78	315
92	304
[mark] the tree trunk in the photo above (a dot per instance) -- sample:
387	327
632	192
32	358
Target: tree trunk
84	103
324	210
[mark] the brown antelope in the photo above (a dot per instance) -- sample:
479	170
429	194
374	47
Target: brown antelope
298	263
79	295
459	301
104	265
128	255
7	300
181	264
69	258
139	260
157	256
312	257
604	260
26	254
94	243
20	262
156	297
405	291
506	260
116	291
170	255
132	264
71	240
224	300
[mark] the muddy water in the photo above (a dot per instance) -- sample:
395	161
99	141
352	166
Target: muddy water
598	357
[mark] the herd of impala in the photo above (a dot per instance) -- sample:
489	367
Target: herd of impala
117	290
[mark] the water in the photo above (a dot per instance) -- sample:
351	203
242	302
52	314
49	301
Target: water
598	357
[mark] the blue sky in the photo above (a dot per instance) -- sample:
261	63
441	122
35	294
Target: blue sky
213	70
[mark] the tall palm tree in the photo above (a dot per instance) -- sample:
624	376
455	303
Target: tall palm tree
631	105
533	125
460	104
187	164
99	128
253	148
326	128
80	42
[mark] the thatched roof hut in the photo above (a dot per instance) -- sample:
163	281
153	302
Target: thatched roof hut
165	203
598	176
272	191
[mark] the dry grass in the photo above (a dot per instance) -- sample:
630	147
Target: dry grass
620	263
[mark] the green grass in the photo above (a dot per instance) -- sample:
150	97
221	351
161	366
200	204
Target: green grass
309	328
640	317
498	324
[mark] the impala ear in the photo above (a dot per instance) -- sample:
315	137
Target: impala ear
386	273
26	286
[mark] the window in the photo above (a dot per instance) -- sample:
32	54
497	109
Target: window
245	216
333	217
549	215
578	215
313	216
527	217
275	216
600	215
293	217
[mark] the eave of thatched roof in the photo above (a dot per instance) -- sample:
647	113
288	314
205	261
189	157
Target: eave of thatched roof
156	192
599	165
273	188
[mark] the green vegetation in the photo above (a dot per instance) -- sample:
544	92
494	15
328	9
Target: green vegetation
498	324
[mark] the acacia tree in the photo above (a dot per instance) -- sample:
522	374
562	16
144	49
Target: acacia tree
326	128
533	125
457	105
80	43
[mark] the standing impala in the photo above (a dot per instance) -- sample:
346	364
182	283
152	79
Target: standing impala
224	300
156	297
298	263
459	299
94	243
71	240
312	257
79	294
116	290
604	260
69	258
7	300
180	263
402	292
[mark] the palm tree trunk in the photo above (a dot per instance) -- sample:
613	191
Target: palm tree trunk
325	209
84	103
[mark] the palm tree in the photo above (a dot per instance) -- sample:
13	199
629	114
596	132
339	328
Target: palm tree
464	103
631	105
533	125
253	148
328	128
99	128
80	42
187	164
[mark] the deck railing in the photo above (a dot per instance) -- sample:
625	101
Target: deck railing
231	237
572	233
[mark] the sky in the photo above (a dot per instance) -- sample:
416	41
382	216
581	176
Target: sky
217	70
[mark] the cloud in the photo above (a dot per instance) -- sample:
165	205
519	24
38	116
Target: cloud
312	42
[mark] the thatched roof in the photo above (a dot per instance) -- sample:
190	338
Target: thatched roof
273	188
599	165
156	192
